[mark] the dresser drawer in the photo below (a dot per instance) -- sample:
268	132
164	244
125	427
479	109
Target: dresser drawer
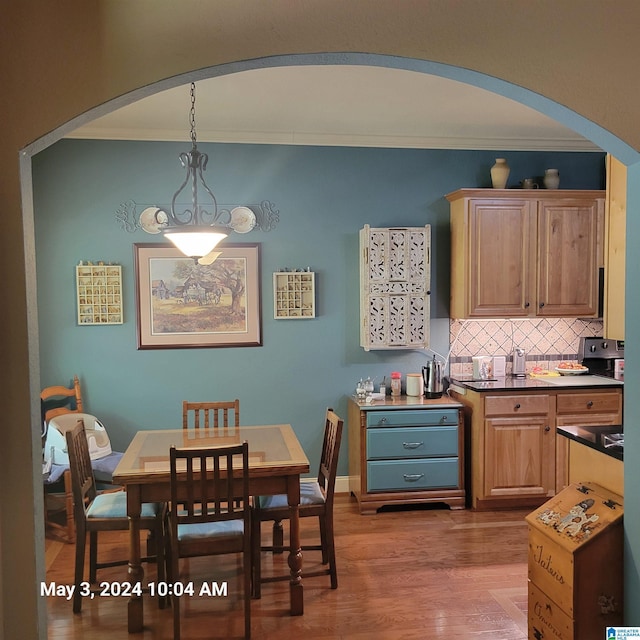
516	405
415	442
412	418
591	401
405	475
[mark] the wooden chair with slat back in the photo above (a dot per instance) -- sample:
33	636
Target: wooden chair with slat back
209	513
206	416
95	512
316	499
55	401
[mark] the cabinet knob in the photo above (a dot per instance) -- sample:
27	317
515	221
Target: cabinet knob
590	404
517	406
382	421
547	428
541	305
527	305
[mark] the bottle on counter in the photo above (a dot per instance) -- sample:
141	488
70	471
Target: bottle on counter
396	384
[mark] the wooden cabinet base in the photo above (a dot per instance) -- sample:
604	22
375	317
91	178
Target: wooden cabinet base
407	451
370	503
491	504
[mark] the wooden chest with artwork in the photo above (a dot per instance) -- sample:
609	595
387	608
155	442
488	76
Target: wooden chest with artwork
575	564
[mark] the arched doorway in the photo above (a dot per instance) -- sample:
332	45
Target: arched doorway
586	128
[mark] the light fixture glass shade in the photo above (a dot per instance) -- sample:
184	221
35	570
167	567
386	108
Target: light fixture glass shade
195	241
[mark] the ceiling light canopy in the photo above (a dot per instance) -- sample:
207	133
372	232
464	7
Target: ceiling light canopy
197	228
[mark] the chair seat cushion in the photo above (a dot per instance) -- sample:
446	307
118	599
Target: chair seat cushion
310	493
103	468
114	505
197	531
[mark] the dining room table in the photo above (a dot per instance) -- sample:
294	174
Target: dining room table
276	463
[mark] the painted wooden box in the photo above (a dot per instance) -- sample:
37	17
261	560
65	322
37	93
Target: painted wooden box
575	564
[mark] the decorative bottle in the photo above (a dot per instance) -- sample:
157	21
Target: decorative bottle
551	179
396	384
500	173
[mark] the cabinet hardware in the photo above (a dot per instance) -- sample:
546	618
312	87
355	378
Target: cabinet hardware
412	445
517	406
590	404
382	421
413	477
547	428
541	305
443	419
527	305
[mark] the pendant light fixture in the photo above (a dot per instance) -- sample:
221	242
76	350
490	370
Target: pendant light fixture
195	229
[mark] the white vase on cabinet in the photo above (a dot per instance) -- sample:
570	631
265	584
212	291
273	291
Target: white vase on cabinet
551	179
500	173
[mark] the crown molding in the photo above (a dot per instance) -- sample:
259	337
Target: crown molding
342	140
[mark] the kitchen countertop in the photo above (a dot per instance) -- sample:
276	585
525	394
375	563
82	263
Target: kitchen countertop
510	383
593	437
408	402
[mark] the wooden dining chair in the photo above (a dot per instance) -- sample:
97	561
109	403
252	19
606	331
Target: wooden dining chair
95	512
209	513
316	499
210	415
58	510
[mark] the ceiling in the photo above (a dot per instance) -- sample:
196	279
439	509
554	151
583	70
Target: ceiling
339	105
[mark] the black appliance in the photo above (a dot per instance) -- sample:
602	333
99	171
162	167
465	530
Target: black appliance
600	354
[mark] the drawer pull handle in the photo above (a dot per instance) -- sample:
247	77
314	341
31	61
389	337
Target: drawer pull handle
590	404
517	406
413	477
444	419
382	421
412	445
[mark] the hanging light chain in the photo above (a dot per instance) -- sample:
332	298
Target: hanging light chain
192	114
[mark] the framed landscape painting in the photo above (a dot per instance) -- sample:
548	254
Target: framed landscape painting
182	304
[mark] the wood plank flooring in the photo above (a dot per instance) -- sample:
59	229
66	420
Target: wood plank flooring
404	574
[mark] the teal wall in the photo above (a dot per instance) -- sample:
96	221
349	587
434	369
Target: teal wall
324	195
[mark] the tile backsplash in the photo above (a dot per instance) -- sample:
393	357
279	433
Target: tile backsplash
546	341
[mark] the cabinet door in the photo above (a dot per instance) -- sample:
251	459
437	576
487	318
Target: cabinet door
395	274
519	457
501	253
567	257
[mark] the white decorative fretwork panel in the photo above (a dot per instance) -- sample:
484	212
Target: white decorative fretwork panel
394	287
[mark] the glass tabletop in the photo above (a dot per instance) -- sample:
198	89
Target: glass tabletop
271	447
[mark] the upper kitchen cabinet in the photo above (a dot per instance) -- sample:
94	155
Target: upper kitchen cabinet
395	275
615	247
519	254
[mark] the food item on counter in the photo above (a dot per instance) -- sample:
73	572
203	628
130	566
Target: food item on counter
572	366
539	372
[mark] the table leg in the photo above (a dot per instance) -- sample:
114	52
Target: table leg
295	551
135	613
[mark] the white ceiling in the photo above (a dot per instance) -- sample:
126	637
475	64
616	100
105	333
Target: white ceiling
339	105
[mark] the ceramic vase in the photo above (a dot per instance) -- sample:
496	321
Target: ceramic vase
500	173
551	179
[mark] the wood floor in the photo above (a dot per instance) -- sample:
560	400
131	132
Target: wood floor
412	574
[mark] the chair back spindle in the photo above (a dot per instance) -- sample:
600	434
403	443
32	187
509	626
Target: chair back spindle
205	417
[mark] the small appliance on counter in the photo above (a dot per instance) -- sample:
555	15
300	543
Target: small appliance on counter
519	367
432	375
600	356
